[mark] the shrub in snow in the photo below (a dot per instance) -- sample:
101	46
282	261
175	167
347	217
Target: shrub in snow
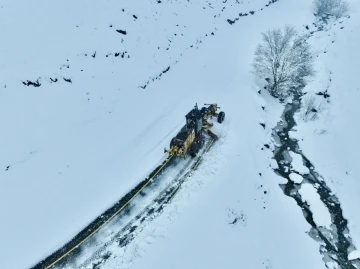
311	107
336	8
283	60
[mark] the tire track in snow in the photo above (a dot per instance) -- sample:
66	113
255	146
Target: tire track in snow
125	235
73	246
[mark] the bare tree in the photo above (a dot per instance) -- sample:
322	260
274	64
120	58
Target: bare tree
284	60
311	107
337	8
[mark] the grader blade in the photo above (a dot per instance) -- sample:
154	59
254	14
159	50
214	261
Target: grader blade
212	135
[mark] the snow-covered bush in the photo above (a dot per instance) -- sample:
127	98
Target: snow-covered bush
284	60
311	107
336	8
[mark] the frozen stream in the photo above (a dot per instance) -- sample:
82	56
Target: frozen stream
316	200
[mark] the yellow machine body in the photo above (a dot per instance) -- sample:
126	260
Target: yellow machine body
190	138
181	151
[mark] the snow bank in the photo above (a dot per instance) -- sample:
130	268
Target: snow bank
331	141
274	164
353	255
294	134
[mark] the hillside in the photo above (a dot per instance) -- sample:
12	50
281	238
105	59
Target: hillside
91	94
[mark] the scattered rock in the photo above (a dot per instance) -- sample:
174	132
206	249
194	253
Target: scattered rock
167	69
230	21
121	32
31	83
325	94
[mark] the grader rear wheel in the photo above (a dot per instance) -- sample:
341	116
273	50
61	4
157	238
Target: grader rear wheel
193	150
221	117
192	154
197	145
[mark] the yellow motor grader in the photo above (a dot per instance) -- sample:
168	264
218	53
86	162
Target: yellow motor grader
191	137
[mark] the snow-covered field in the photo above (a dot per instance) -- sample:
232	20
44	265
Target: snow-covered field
331	141
69	150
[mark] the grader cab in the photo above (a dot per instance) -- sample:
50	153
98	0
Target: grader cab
191	137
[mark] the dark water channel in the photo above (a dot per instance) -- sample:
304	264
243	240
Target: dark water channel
335	243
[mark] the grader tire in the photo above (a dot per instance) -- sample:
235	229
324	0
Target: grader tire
192	154
196	146
192	151
221	117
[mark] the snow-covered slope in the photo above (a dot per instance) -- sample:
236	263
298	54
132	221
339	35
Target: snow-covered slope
116	79
331	140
